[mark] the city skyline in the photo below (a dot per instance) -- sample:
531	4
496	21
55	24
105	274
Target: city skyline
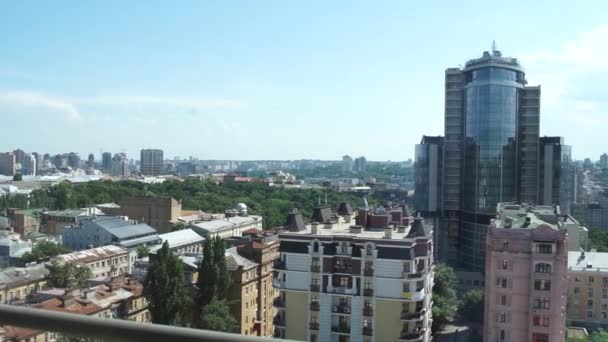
217	82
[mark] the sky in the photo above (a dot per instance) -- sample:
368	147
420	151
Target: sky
282	79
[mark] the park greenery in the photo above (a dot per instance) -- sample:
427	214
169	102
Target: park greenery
472	306
596	336
445	300
373	169
271	202
598	239
68	275
43	251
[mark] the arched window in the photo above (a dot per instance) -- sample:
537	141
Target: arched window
543	268
315	246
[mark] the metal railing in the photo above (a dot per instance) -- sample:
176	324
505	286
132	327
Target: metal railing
110	329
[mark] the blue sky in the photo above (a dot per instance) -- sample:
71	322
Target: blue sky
282	79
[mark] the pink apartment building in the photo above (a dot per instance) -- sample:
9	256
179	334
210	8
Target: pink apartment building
526	275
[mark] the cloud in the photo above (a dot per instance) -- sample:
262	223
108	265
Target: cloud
40	100
145	100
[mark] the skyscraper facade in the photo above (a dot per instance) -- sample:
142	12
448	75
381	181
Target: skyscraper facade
151	162
106	162
555	173
490	151
347	164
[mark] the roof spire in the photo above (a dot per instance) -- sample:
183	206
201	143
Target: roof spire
493	46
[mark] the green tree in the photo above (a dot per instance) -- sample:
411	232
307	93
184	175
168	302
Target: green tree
596	336
472	305
164	287
216	316
68	275
178	226
214	278
17	177
43	251
445	301
142	251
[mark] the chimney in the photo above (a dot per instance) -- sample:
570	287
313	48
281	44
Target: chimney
356	229
401	229
314	228
388	233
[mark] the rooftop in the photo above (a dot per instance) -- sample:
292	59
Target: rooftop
588	261
523	216
22	275
226	223
94	254
234	260
181	237
122	228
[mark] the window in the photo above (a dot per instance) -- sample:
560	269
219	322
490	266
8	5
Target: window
503	300
542	303
543	268
343	248
542	285
505	245
577	290
501	282
589	314
502	335
577	279
540	337
406	267
541	321
591	280
604	293
343	281
590	292
503	317
589	303
544	248
505	265
603	314
315	246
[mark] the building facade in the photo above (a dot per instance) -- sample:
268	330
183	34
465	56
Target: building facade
151	162
347	164
104	261
106	162
120	165
343	282
588	289
157	212
555	168
8	164
18	282
525	275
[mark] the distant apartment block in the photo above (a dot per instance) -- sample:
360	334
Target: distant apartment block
8	164
525	275
347	164
588	289
106	162
18	282
107	261
234	223
120	165
158	212
369	281
595	215
151	162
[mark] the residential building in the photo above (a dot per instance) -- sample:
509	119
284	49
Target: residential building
26	221
73	160
604	161
233	224
151	162
183	241
18	282
120	165
525	275
251	263
595	215
103	261
366	282
12	248
428	183
106	162
158	212
360	164
54	221
110	230
347	164
91	161
8	164
555	166
588	289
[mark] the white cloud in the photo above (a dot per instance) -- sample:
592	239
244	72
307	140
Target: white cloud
40	100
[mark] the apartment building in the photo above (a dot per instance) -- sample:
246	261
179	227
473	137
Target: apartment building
588	289
158	212
525	280
103	261
18	282
348	283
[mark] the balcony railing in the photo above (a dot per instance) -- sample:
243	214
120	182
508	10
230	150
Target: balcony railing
411	335
279	303
315	287
368	292
314	326
368	311
343	269
368	272
344	309
314	306
415	275
344	329
408	316
110	329
367	331
315	268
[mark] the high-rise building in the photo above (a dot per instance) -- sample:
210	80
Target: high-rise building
25	164
347	164
360	164
151	162
73	160
490	151
39	162
8	164
60	161
91	161
364	282
106	162
525	275
120	165
428	169
555	168
604	161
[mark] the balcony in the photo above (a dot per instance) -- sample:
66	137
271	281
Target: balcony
346	269
415	275
369	311
368	292
341	290
278	303
280	265
315	268
278	284
340	329
368	272
412	336
278	321
314	307
315	287
413	316
93	327
367	331
342	309
414	296
314	326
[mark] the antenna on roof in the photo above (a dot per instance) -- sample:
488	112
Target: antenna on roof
493	46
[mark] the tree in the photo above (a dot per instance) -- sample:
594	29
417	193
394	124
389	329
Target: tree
214	278
164	287
142	251
178	226
444	296
216	316
597	336
68	275
472	305
17	177
43	251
